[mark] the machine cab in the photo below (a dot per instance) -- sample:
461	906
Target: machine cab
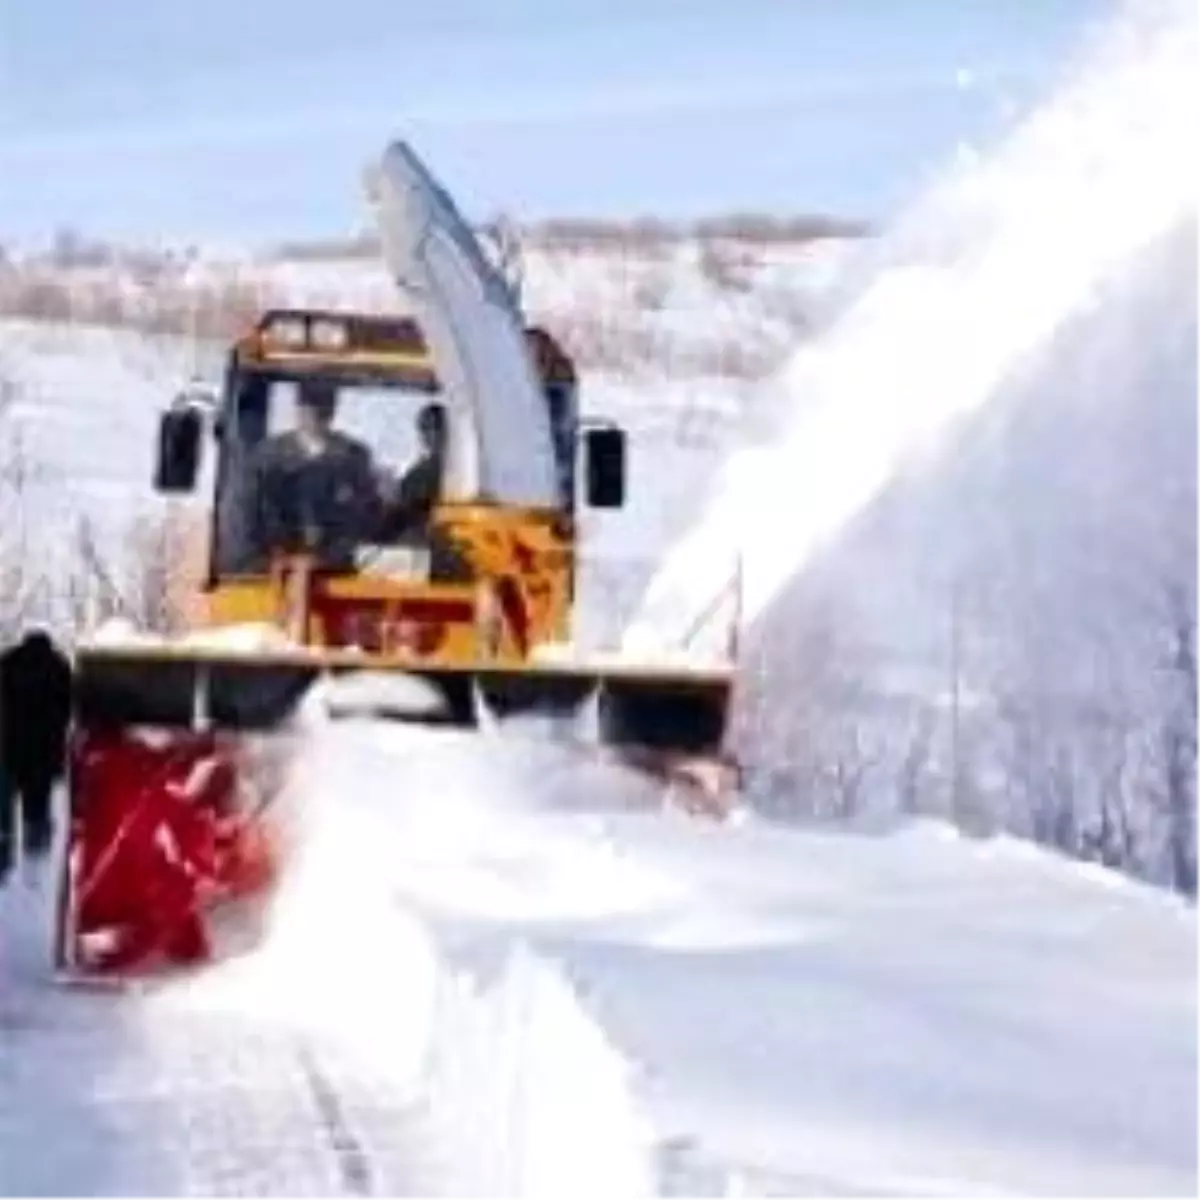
383	374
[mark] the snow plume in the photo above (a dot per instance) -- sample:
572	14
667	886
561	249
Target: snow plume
963	292
519	1092
513	1087
337	961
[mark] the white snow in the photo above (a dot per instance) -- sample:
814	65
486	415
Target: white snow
838	1012
965	290
498	969
447	1073
821	1012
382	692
516	976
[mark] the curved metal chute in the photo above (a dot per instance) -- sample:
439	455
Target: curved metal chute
474	328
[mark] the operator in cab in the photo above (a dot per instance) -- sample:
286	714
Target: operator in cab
314	489
411	500
417	491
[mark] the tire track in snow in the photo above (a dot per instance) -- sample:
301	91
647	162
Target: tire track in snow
353	1161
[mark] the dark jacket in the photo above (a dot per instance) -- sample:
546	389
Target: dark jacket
35	708
406	520
326	504
415	495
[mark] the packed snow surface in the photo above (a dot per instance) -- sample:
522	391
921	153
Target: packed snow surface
508	972
898	1012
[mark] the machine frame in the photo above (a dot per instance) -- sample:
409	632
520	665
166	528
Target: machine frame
173	817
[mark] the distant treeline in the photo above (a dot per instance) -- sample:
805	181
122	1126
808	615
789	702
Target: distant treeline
71	249
582	233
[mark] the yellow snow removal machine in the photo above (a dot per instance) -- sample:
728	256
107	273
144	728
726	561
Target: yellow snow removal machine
472	595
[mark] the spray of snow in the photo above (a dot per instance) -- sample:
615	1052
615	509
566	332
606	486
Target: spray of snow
337	960
970	284
515	1090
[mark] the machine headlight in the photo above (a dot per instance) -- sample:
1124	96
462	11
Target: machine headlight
330	335
287	331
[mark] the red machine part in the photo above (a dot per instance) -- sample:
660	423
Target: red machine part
415	626
156	844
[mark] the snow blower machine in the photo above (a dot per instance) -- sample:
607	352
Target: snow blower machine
472	596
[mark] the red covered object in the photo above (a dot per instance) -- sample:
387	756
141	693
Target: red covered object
155	843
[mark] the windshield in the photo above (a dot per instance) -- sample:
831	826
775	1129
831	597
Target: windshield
262	409
382	419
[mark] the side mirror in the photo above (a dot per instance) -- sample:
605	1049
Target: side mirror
604	466
179	432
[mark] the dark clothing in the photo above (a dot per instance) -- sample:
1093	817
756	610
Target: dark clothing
330	505
35	713
28	802
35	708
413	500
325	504
407	520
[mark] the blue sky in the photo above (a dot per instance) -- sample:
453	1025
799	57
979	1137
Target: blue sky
252	119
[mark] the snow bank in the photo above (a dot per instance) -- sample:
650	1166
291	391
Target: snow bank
518	1090
828	1012
524	1095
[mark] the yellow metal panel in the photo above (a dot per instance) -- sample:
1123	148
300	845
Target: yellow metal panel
335	359
240	602
524	558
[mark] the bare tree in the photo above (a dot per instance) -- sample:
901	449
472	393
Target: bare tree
802	722
20	585
1178	737
853	757
913	773
150	585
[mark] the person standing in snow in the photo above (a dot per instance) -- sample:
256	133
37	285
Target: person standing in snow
35	712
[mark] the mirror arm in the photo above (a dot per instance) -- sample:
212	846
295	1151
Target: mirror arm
196	397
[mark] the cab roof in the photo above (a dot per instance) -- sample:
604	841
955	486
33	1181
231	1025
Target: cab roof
387	347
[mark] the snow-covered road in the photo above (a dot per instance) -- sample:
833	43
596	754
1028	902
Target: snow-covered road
896	1013
108	1094
497	970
